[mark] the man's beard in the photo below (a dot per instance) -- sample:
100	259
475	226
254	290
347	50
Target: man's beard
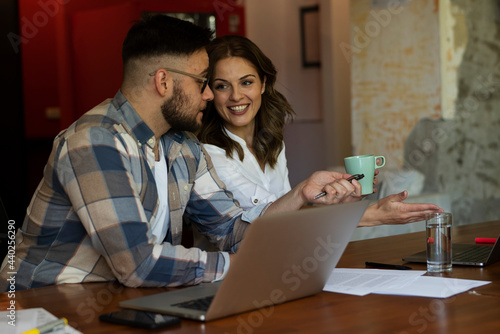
176	112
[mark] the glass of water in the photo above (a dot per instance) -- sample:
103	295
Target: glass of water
438	233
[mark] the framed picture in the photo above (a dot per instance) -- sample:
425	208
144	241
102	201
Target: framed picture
310	36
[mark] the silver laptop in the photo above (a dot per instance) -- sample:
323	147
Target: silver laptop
465	255
282	257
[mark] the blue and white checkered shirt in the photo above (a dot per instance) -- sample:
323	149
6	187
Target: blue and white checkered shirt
91	217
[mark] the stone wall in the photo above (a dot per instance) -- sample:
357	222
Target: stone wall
461	155
395	74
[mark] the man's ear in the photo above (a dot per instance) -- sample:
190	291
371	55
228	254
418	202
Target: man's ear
163	82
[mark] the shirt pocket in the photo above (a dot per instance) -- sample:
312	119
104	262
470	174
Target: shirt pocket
262	196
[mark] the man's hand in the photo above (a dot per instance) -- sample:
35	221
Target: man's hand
336	187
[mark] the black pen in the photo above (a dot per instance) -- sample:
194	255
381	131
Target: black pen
354	177
387	266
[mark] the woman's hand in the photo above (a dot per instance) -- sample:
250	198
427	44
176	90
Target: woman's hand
391	210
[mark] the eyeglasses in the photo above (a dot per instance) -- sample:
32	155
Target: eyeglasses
204	80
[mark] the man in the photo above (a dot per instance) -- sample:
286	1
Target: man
121	179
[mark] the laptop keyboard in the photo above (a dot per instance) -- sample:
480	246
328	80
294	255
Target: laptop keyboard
200	304
476	254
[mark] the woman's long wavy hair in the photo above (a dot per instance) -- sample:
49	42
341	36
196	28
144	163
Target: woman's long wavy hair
273	113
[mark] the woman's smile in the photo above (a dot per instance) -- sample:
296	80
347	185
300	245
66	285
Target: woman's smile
240	109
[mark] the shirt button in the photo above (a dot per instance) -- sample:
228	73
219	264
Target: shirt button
151	141
256	201
186	188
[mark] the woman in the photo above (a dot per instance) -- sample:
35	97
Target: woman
243	127
242	131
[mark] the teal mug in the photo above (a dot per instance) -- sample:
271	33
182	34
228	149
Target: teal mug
366	165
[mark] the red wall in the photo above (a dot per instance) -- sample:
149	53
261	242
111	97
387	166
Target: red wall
39	68
71	52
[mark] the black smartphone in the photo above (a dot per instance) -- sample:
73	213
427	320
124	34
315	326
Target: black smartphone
141	319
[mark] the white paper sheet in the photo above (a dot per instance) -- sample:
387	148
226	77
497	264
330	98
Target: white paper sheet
434	287
28	319
361	282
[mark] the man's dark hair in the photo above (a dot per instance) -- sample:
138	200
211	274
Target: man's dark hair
158	34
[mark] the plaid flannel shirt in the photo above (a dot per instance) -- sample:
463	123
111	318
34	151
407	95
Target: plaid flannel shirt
91	217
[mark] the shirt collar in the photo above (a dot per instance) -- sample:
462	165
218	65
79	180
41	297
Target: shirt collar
132	119
236	138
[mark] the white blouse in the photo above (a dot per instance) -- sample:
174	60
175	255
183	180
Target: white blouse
245	179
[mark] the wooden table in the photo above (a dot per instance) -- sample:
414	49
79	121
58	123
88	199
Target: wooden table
473	311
